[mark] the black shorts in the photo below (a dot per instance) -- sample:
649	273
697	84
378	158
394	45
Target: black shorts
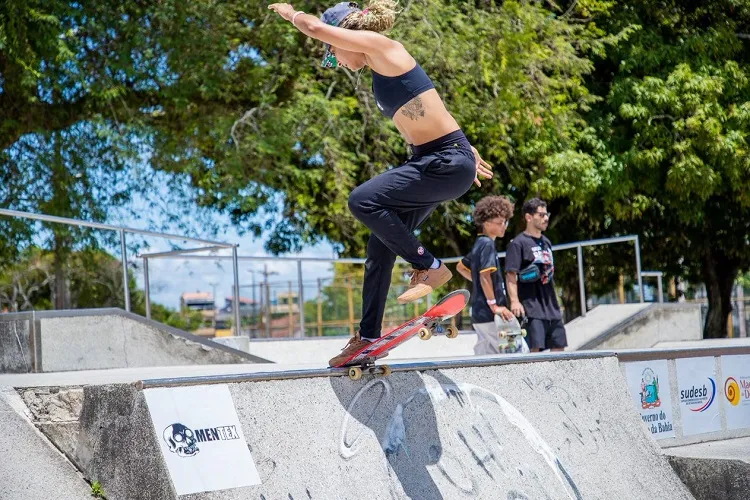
546	334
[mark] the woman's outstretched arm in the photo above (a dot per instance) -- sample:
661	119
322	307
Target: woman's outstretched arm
366	42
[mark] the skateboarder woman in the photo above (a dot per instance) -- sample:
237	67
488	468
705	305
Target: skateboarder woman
482	267
442	167
530	254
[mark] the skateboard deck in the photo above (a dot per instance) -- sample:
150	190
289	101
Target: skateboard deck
510	333
424	325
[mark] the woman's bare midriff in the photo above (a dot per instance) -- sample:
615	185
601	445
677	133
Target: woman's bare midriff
424	119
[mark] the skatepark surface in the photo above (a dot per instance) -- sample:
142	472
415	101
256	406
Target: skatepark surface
540	425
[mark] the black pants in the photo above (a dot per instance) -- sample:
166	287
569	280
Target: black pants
546	334
395	203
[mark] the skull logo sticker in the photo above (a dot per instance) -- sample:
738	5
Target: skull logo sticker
181	440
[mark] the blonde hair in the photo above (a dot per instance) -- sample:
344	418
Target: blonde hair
378	16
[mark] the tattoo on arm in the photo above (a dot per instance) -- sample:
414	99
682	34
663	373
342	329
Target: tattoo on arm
413	109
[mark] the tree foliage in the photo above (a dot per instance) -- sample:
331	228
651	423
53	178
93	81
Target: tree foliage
95	282
666	155
628	117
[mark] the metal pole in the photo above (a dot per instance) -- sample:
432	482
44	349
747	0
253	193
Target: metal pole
320	307
235	270
125	270
255	308
581	285
267	303
98	225
350	300
146	287
301	299
638	266
740	294
290	312
660	289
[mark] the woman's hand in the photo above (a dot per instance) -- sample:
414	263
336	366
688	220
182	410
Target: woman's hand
484	169
285	10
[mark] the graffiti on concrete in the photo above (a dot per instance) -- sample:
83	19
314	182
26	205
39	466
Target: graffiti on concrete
589	436
479	439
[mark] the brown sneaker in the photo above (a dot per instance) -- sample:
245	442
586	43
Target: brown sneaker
352	348
424	281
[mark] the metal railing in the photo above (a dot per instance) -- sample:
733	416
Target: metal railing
300	260
622	355
212	245
659	283
578	245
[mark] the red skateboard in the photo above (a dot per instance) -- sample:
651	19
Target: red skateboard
425	326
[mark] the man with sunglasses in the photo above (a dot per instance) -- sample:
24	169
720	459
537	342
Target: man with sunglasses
529	268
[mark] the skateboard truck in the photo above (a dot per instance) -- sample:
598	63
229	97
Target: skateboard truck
426	332
355	372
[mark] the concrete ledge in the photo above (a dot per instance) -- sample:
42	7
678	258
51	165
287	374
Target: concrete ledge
102	339
553	428
645	327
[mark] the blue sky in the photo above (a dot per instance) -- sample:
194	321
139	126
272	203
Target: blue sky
170	277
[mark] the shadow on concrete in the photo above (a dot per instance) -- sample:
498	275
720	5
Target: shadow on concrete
399	412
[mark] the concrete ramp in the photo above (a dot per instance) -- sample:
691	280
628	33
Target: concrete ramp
30	467
634	326
561	427
55	341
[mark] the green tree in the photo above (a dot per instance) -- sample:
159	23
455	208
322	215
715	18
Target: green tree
511	73
83	172
90	92
667	154
165	63
96	282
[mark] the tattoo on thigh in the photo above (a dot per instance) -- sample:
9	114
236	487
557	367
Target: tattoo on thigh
413	109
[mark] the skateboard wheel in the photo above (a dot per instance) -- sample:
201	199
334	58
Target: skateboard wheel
523	332
424	333
503	334
452	332
386	370
355	373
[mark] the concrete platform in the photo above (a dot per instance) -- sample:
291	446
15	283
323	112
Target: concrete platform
634	326
90	339
557	428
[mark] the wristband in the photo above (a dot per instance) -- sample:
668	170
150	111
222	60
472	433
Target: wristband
491	302
295	16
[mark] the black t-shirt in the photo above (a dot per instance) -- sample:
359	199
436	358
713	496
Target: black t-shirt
538	298
483	256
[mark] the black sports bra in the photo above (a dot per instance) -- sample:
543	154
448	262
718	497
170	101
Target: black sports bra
392	92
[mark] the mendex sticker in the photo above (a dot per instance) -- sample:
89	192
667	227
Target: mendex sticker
201	438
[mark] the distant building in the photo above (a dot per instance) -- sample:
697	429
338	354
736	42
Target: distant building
248	307
285	302
197	301
205	304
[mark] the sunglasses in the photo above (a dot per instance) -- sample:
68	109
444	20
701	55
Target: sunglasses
330	61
